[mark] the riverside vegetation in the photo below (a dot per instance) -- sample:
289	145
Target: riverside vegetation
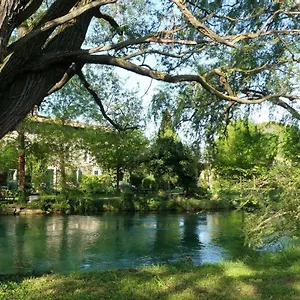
272	276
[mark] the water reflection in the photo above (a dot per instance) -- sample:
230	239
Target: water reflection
67	243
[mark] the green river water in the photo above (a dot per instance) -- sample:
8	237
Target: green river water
37	244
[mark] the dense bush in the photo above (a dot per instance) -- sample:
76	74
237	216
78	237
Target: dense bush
149	182
96	184
278	215
136	180
128	200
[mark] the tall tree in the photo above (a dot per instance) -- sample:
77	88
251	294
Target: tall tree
118	151
246	151
173	163
239	51
21	157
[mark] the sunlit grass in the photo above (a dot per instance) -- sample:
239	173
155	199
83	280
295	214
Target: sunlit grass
273	276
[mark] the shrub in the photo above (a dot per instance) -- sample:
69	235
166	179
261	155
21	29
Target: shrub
96	184
136	180
128	200
61	205
82	205
148	182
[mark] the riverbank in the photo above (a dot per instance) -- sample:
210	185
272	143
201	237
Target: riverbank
273	276
108	203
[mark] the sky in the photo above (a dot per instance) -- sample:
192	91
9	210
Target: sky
148	87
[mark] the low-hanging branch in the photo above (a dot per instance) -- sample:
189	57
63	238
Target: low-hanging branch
100	104
119	62
54	57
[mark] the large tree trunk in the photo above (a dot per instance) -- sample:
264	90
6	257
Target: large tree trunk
9	10
23	84
21	159
62	167
119	176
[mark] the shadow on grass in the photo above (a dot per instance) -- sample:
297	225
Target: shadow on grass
267	279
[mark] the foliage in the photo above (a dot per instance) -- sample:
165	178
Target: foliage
38	156
278	216
120	151
149	182
242	53
61	205
96	184
55	144
261	175
122	105
246	151
136	179
128	201
82	205
8	155
290	145
71	103
171	162
199	121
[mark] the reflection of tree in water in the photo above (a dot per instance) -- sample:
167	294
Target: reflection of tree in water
30	245
37	243
78	237
228	233
20	229
190	237
4	235
134	237
7	260
119	236
3	228
128	222
167	237
64	250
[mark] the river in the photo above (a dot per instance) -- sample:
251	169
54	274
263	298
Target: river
37	244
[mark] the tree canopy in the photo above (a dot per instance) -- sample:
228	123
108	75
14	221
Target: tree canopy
247	150
171	162
239	51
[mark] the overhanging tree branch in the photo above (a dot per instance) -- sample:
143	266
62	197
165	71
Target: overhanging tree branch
57	22
54	57
66	77
99	102
119	62
29	10
287	107
200	26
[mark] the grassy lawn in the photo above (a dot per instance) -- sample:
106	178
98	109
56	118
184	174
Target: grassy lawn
270	277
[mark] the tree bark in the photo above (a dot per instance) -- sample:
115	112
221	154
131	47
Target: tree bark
21	159
21	88
9	10
119	178
62	167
